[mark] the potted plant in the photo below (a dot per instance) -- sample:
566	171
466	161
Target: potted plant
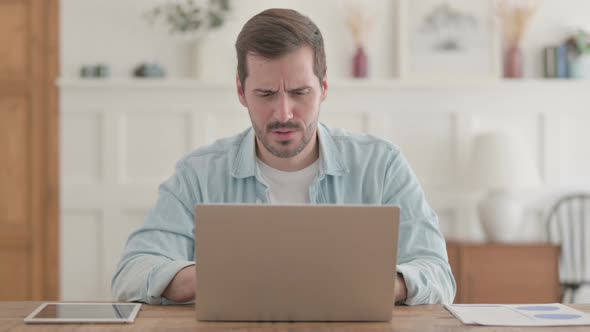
580	66
191	20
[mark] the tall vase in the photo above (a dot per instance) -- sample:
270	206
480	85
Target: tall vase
360	63
513	62
195	59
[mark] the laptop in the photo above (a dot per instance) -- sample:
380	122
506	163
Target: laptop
295	262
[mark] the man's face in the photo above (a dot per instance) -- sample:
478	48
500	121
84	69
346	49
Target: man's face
283	98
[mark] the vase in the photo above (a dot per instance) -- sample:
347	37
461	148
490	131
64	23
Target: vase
195	59
580	67
360	63
513	62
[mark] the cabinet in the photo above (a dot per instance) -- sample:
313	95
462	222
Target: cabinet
505	273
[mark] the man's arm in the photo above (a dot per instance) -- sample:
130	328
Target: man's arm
182	287
422	254
162	247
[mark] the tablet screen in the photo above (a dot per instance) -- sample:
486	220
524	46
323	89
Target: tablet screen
84	312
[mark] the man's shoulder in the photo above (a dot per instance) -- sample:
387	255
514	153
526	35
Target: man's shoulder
222	148
344	138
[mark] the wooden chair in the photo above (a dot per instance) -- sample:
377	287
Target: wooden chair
568	224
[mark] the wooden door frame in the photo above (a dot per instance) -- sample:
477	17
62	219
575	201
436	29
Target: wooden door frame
53	58
45	228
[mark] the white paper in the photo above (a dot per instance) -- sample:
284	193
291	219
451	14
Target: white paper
547	314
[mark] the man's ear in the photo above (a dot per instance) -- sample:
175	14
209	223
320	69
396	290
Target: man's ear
240	90
324	86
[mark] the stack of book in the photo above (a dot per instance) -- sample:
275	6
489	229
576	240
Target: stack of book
556	61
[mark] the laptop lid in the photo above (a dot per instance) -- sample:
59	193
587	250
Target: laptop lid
295	262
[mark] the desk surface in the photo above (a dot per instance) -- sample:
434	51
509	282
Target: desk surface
179	318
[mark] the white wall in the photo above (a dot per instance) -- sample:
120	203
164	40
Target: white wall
120	139
111	131
114	32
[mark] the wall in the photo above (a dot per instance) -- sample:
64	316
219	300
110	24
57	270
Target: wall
114	32
112	130
120	139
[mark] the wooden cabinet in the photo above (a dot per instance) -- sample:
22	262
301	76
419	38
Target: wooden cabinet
505	273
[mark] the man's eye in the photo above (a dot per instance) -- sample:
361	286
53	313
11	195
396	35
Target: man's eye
301	92
265	94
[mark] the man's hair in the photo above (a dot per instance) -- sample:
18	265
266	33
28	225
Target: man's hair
276	32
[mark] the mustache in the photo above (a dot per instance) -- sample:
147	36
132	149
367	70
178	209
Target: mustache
282	125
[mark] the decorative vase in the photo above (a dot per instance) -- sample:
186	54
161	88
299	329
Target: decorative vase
360	63
580	67
195	59
513	62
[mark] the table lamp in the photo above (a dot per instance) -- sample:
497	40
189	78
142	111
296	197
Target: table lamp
501	164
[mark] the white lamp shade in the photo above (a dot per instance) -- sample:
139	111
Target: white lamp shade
501	161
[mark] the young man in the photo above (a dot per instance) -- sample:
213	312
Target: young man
286	157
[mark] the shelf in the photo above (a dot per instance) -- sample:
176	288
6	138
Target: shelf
183	83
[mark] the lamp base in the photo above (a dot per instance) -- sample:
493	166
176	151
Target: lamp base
501	216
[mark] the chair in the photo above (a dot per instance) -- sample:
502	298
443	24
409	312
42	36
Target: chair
568	224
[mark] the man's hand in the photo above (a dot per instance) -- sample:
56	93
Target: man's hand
182	287
401	292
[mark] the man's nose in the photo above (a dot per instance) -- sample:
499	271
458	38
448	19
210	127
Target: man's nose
283	109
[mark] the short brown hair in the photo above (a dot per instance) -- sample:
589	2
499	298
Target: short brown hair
276	32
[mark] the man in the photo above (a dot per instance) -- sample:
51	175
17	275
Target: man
286	157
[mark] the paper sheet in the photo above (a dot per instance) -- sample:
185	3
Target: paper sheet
553	314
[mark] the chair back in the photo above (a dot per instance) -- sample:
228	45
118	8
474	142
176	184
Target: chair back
568	224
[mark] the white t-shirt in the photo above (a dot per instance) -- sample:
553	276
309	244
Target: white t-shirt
288	187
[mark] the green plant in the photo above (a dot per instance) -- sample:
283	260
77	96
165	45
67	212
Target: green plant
582	42
185	16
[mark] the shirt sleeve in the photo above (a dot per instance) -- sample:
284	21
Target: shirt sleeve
422	254
161	247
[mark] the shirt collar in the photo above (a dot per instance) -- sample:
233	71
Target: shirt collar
331	160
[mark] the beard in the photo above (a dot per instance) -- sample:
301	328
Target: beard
286	148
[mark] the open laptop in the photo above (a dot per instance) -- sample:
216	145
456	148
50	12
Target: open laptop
295	262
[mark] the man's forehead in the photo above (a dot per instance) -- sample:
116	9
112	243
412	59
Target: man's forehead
270	84
289	78
301	55
292	70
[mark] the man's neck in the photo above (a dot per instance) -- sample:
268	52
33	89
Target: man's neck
305	158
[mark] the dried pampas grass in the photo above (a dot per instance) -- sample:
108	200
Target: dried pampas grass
516	17
359	24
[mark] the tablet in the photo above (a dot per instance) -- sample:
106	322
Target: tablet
55	312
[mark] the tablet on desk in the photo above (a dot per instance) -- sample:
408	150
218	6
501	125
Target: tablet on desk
54	312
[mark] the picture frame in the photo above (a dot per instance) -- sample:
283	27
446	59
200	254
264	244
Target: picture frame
448	40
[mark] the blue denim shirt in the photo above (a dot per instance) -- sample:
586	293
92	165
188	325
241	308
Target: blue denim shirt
354	169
